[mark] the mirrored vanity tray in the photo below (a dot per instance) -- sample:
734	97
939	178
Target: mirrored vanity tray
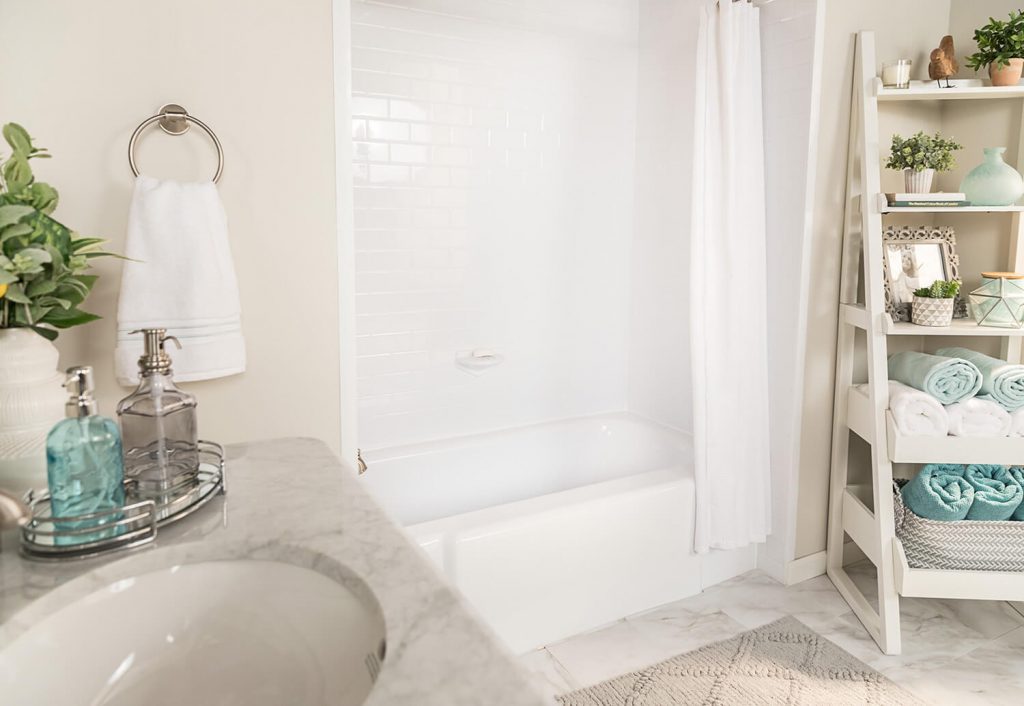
46	538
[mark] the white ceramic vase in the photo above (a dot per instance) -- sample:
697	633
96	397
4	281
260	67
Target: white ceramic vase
31	402
918	182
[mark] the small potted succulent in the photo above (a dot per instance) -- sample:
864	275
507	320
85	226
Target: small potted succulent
920	156
1001	49
933	306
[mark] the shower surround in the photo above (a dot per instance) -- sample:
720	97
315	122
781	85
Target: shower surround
521	189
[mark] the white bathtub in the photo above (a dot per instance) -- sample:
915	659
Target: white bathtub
554	529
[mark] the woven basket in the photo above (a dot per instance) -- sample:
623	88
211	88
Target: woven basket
968	545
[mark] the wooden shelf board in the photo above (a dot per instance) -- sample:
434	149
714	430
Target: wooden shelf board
1004	450
952	209
964	89
941	583
932	449
960	327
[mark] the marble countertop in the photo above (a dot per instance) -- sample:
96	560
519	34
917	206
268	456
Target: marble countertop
291	500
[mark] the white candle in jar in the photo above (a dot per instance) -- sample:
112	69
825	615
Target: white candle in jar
896	74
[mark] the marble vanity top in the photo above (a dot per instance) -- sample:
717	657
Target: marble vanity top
291	500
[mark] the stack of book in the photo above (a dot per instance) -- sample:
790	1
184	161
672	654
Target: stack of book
935	199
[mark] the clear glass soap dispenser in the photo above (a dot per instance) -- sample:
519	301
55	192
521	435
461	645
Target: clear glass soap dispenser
84	465
158	423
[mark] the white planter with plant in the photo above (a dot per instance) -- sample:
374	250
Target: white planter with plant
43	281
919	157
933	306
1001	49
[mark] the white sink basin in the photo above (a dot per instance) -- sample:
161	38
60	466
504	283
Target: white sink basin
222	633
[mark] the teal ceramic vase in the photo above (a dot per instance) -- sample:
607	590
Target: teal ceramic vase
993	182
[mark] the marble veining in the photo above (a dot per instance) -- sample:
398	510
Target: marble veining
291	500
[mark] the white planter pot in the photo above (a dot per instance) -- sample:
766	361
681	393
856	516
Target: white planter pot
918	182
926	311
31	402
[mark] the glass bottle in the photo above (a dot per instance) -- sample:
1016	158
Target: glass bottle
84	465
158	423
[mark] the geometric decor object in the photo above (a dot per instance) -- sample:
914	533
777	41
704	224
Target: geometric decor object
999	301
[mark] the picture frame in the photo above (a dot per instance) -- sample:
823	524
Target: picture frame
915	257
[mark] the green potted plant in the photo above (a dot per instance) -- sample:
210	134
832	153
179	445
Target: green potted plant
1001	49
920	156
43	281
933	306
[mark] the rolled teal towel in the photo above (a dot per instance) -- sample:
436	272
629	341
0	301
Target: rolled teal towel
1004	381
1017	473
948	380
996	494
939	492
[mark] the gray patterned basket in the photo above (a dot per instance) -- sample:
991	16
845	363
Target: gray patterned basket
968	545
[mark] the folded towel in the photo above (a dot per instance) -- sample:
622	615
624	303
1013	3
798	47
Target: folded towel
1017	473
997	495
916	413
948	380
182	279
939	492
978	416
1004	381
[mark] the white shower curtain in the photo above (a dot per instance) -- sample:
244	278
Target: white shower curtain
728	326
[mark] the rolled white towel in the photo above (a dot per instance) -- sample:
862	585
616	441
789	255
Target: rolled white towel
1017	422
978	417
916	413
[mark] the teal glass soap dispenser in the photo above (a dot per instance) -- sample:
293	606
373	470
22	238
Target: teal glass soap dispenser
84	465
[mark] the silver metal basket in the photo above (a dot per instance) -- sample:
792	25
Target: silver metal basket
966	545
131	526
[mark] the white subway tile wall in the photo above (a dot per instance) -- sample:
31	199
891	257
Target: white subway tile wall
493	169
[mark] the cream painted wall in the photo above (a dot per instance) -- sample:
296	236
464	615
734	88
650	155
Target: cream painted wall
80	76
905	29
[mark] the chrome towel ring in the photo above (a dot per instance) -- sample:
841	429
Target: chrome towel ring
175	120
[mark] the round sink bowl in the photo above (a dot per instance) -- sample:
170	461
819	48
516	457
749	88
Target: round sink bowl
218	633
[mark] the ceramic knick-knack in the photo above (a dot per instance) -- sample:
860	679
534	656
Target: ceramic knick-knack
993	182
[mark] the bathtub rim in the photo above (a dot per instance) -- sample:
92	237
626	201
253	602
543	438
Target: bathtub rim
398	452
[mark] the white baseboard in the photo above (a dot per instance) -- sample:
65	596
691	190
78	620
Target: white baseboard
812	565
805	568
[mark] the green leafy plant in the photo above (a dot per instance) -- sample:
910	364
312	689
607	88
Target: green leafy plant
998	42
940	289
43	264
921	151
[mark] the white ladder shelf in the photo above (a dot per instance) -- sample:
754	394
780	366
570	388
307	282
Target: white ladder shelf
865	513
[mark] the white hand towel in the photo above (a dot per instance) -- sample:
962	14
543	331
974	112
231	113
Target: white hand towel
978	417
916	413
181	278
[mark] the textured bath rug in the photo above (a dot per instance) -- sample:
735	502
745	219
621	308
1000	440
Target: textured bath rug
782	663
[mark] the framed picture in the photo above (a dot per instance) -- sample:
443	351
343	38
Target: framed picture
914	258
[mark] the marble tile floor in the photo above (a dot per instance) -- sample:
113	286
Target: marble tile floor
954	652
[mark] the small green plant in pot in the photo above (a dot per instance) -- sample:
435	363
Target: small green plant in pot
1001	49
44	278
919	157
933	306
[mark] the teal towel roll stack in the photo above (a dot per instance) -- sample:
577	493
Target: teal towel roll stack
1017	473
948	380
1003	381
939	492
997	495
